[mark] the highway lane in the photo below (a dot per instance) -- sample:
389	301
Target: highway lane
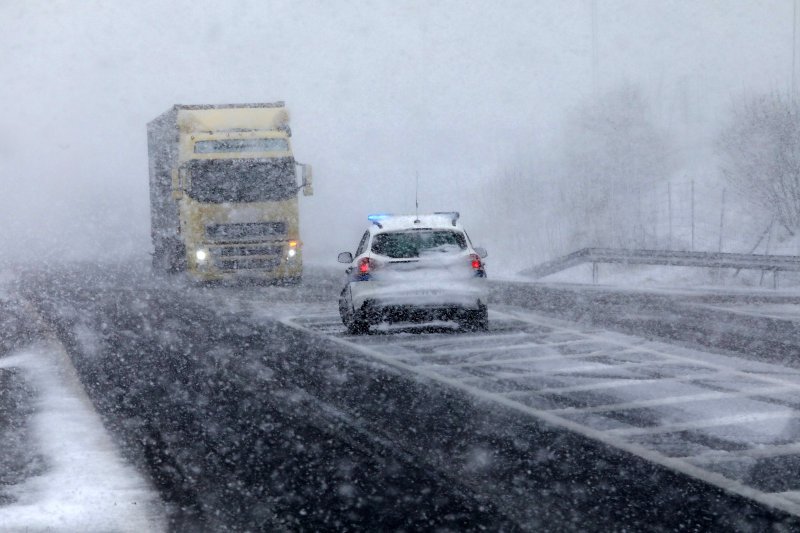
726	421
214	408
245	420
723	321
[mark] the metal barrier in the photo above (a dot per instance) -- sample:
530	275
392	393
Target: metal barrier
770	263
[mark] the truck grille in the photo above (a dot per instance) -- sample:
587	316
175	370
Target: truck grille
247	257
249	263
244	231
246	251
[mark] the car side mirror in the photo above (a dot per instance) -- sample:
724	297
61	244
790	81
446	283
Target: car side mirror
345	257
481	252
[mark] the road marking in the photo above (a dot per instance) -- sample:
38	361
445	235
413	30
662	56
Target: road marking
745	418
433	374
673	400
648	349
611	384
539	358
761	452
489	349
789	313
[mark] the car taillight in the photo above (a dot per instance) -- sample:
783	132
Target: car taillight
366	265
476	261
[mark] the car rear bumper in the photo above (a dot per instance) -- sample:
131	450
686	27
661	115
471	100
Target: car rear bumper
412	313
423	296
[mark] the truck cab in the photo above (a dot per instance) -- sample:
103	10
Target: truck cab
224	185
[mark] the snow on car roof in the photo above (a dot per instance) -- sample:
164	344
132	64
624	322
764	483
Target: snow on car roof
397	222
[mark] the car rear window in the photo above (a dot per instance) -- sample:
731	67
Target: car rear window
412	243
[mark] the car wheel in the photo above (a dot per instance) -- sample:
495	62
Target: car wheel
477	320
357	326
345	311
354	321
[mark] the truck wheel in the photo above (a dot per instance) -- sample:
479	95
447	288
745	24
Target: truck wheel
176	256
161	261
158	263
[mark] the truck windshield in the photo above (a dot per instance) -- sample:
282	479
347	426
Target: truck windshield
241	180
241	145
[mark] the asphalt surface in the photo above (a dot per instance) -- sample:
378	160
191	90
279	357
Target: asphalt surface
244	423
220	412
697	319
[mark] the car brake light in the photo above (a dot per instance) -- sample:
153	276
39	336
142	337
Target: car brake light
476	261
366	265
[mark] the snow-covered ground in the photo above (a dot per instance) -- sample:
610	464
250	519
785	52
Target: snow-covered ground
86	486
673	278
640	396
677	277
727	421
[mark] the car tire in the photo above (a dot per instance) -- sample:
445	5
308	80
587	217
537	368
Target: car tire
345	311
354	321
357	326
477	320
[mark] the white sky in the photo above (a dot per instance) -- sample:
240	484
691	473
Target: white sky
378	90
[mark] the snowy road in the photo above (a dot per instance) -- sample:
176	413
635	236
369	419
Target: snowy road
723	420
250	408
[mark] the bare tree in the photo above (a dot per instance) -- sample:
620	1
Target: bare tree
590	193
615	156
760	148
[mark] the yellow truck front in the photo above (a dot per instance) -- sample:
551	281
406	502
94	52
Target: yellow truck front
223	193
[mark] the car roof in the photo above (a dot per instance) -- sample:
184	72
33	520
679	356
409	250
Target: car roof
426	221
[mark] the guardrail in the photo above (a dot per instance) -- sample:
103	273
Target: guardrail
770	263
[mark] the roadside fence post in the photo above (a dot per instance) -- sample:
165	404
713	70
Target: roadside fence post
669	211
693	215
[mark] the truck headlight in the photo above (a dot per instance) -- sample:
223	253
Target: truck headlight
292	252
201	255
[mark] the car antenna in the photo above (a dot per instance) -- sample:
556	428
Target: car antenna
416	201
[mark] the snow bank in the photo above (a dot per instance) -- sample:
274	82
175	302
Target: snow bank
86	486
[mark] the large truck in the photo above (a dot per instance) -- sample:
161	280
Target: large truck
223	193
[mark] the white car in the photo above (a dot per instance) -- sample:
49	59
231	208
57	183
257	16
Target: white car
414	268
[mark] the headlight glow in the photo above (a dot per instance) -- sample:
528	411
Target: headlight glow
201	255
292	252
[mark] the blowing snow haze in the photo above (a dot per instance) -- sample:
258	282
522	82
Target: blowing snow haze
473	96
592	324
